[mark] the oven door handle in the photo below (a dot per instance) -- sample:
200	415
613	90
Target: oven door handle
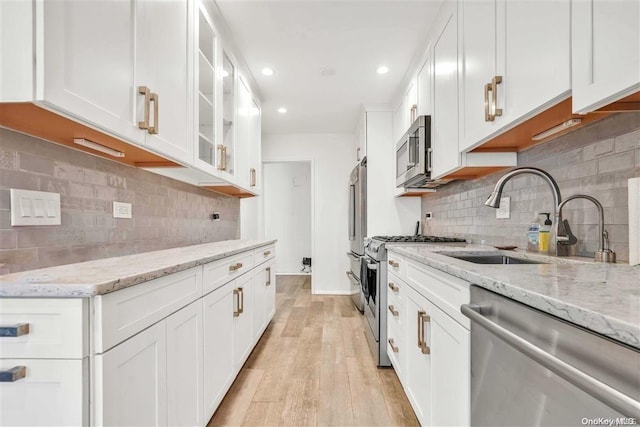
372	265
601	391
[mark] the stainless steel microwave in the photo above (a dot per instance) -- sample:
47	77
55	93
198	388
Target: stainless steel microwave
413	155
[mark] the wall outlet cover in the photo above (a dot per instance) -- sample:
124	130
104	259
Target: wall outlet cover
122	210
428	215
504	211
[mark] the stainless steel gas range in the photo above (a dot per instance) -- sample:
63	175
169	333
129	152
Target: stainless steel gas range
374	282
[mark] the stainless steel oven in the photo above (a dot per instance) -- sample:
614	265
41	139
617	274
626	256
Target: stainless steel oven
413	155
374	273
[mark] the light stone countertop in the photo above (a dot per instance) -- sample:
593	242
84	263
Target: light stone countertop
99	277
604	298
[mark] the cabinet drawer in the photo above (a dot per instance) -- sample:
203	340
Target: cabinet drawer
57	328
217	273
396	351
396	264
395	311
395	287
264	253
445	291
50	394
119	315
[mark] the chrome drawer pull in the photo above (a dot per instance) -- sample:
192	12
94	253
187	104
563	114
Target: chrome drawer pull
13	374
236	266
394	264
393	347
14	330
393	287
267	253
393	311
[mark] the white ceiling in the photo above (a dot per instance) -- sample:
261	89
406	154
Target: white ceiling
301	38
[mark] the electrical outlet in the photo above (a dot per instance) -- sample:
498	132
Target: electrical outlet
122	210
428	216
215	216
504	211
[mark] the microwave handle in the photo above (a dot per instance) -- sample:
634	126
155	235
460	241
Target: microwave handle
429	159
412	153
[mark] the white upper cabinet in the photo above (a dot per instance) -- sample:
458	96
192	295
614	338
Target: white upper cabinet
254	148
242	145
423	86
500	44
444	132
361	137
605	52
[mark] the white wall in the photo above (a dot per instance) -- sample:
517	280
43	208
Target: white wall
332	157
287	212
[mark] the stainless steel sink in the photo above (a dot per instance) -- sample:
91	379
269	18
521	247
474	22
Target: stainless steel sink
491	259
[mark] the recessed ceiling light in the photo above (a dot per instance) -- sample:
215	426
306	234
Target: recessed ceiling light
382	70
282	110
266	71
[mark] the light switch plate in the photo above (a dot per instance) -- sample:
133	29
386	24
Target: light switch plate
34	208
122	210
504	211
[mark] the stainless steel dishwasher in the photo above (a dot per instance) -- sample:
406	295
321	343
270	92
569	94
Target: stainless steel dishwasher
530	368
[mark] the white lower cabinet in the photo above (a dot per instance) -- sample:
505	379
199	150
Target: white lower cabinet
131	380
218	309
161	353
51	393
433	359
184	366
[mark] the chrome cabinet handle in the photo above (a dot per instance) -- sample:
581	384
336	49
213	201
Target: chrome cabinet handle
358	154
268	270
156	120
14	330
13	374
143	90
414	113
219	149
423	318
393	311
236	266
601	391
236	294
393	346
494	89
252	177
393	287
241	301
394	264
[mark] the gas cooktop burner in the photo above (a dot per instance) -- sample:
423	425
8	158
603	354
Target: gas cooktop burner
419	239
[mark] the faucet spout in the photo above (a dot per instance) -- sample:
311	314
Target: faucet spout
494	199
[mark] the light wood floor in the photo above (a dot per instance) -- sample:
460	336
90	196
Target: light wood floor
312	367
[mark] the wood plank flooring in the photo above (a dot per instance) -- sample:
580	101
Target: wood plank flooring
312	367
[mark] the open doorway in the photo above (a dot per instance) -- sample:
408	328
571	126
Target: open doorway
288	215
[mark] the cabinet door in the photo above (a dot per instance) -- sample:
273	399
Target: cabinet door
270	293
450	369
446	156
255	146
243	336
605	52
52	393
184	366
131	380
424	89
418	374
478	55
361	137
87	67
541	26
259	298
218	308
411	104
163	64
242	147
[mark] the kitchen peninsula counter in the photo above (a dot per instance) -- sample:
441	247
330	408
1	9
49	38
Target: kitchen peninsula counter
604	298
99	277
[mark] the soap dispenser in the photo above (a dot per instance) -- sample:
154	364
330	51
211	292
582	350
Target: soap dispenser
543	236
533	233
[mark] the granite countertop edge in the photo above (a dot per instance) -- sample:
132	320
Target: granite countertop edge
50	282
607	325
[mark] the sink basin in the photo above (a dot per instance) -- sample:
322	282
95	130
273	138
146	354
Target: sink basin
491	259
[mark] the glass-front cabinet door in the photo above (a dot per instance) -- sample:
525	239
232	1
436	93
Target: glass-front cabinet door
206	79
226	149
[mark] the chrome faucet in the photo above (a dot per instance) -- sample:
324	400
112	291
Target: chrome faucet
559	227
604	254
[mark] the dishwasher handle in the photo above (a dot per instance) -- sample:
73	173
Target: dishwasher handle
601	391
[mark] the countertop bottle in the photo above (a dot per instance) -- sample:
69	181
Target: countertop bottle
543	235
533	234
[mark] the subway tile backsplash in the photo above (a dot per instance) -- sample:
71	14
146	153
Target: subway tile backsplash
166	213
596	160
